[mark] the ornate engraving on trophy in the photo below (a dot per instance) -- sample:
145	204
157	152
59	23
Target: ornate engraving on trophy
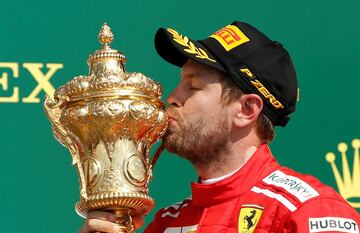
92	170
135	169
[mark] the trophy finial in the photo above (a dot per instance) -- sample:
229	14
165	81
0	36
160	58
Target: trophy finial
105	36
106	58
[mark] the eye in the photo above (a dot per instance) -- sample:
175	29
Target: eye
194	88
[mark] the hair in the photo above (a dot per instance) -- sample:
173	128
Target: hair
231	92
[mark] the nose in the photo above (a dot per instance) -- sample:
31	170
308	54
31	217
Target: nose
176	98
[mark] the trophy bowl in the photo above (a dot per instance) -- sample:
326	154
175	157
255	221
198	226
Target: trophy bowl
109	120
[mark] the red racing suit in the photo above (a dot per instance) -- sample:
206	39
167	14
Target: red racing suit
261	197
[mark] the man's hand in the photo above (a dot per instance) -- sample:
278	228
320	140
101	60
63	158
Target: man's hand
100	221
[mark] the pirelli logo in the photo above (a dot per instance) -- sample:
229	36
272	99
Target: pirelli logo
262	89
230	37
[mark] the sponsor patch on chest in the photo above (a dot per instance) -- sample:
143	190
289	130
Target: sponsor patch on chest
249	217
297	187
327	224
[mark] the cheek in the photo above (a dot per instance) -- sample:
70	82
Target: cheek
201	106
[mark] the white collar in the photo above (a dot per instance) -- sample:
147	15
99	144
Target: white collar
248	154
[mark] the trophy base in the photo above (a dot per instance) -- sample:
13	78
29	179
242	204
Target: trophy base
122	205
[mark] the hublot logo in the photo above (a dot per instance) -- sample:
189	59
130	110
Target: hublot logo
333	224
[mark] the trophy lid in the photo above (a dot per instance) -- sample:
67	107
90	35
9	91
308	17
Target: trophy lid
108	77
105	38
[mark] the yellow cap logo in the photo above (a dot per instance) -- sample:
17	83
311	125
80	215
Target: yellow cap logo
249	217
262	89
230	37
189	46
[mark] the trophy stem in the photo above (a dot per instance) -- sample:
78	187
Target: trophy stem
124	220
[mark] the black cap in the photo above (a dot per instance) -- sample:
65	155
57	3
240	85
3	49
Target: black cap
255	63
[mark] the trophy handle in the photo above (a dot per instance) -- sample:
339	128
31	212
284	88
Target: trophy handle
162	124
53	112
154	159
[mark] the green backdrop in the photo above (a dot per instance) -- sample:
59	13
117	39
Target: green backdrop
39	186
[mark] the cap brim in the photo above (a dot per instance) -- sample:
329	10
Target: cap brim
177	49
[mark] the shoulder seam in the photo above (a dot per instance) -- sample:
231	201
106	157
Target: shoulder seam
280	198
300	205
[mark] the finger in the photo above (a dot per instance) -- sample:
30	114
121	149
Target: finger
97	225
102	215
138	221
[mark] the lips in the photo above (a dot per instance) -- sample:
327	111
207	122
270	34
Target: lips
171	118
172	115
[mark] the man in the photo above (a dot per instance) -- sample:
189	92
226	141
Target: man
235	87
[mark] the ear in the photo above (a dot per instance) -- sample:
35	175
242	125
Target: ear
249	108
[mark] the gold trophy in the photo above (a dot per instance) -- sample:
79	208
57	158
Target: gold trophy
109	120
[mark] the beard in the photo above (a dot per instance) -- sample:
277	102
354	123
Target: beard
201	142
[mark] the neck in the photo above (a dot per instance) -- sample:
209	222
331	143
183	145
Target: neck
236	157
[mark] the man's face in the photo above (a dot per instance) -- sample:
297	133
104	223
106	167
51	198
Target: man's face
199	126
